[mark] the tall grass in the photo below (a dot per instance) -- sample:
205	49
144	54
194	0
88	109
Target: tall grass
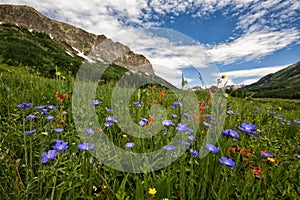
76	174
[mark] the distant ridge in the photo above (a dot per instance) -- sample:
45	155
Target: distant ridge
282	84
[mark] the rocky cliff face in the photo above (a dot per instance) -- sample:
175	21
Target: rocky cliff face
74	39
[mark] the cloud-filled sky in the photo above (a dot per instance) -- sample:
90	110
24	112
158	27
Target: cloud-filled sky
245	39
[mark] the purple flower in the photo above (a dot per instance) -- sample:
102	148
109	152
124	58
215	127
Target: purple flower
185	143
40	107
230	133
174	116
230	112
212	148
143	122
110	119
169	147
49	117
108	110
188	115
24	105
96	102
89	131
176	105
192	138
182	127
267	154
60	145
30	132
249	128
194	152
50	155
86	146
44	111
164	132
31	116
129	145
58	130
107	124
227	161
137	104
51	107
298	156
206	124
167	122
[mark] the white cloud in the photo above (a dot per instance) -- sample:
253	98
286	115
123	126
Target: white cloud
265	26
252	75
253	45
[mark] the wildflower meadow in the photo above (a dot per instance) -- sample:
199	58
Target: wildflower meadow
42	155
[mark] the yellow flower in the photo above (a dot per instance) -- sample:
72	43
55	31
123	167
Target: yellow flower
44	133
124	136
279	108
165	199
152	191
272	160
104	186
57	73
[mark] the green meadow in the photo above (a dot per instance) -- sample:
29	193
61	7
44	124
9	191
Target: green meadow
42	156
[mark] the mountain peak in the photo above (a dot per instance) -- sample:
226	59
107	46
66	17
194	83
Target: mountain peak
76	41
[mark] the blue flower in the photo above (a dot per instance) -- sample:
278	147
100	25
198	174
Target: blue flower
110	119
143	122
49	117
298	156
31	116
194	152
108	110
206	124
50	155
176	105
267	154
51	107
129	145
167	122
249	128
169	147
227	161
96	102
60	145
89	131
40	107
230	133
183	127
185	143
24	105
188	115
44	111
107	124
86	146
30	132
137	104
174	116
58	130
212	148
230	112
192	138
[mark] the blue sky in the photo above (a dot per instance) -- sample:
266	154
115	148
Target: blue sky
245	39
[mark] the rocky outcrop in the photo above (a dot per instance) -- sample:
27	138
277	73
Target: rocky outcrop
74	39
